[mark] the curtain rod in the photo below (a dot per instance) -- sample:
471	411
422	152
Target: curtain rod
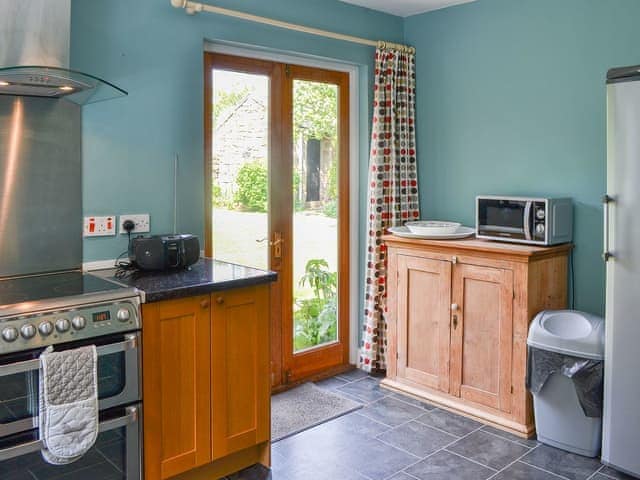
195	7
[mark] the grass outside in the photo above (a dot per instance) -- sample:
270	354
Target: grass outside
235	235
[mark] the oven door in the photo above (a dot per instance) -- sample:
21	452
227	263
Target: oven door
504	218
115	456
118	379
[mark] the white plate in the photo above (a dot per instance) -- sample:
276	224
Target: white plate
431	227
462	232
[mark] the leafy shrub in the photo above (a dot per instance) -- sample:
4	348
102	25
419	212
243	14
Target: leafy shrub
330	209
252	182
316	317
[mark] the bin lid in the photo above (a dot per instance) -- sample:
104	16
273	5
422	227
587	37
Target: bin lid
569	332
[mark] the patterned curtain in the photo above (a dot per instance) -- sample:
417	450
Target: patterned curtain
393	188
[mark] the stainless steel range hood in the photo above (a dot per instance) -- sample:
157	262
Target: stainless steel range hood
34	54
56	82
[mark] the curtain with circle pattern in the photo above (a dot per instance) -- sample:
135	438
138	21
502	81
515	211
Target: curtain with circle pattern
392	188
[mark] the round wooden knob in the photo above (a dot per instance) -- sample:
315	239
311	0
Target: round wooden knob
204	303
219	300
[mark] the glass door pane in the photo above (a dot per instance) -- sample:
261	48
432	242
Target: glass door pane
239	166
315	224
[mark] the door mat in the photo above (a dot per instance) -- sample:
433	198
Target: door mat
305	407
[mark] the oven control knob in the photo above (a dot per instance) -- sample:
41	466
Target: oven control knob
540	229
123	314
62	325
45	328
540	214
28	331
10	334
79	322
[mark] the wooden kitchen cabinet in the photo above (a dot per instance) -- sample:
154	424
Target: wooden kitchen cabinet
458	317
240	370
206	384
423	292
176	385
481	340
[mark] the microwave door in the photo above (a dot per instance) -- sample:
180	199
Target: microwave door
502	218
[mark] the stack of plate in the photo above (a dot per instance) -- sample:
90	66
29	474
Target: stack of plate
433	230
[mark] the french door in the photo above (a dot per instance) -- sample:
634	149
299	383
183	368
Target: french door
276	196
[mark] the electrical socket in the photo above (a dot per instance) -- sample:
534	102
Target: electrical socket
99	226
140	221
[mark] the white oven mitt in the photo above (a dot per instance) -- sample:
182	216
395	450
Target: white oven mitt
68	414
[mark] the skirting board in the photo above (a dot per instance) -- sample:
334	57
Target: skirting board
446	403
230	464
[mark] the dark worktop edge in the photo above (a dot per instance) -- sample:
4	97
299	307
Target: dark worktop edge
202	289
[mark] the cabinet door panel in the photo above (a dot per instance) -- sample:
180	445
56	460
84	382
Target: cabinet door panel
482	337
240	370
423	303
176	358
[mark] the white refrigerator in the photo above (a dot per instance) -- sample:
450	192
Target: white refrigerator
621	419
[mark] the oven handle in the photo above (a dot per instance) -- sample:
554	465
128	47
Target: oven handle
36	445
130	343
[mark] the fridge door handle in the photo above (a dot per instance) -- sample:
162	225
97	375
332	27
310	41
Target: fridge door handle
606	254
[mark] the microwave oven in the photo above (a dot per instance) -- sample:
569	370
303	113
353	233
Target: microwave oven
536	221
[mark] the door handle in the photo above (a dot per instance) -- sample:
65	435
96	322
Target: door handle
276	243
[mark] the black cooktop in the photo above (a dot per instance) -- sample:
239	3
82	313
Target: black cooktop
49	286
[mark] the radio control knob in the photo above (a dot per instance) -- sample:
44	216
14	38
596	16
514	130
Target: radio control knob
79	322
10	334
540	229
28	331
123	315
62	325
45	328
540	214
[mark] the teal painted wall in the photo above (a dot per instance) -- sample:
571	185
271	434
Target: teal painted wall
511	100
155	53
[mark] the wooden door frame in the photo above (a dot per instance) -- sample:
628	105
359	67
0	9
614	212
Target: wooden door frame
335	354
275	71
281	157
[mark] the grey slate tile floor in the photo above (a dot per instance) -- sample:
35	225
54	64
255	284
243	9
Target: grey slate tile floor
395	437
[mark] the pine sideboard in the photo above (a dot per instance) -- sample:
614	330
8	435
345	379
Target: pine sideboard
458	313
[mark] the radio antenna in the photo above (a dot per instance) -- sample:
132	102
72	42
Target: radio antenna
175	194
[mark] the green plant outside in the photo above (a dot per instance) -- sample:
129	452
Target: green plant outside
252	182
315	318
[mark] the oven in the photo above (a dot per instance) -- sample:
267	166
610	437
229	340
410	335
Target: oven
110	320
118	379
115	456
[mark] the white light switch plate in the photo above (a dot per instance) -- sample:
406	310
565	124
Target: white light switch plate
141	222
99	226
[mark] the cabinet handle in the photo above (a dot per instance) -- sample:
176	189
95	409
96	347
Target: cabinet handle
455	307
204	303
219	300
455	322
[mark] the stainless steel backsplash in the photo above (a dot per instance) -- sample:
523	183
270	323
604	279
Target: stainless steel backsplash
40	185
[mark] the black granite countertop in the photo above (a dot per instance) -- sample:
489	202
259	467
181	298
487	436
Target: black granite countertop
207	275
